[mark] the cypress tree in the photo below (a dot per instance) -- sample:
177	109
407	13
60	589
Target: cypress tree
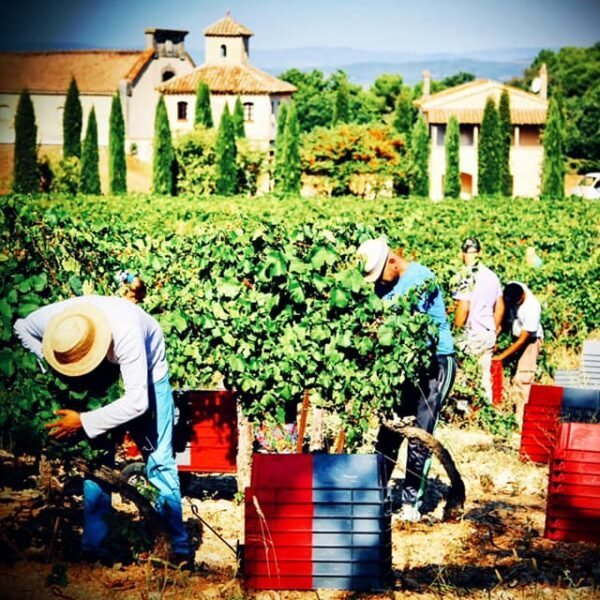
341	108
72	122
225	156
489	151
291	142
203	113
420	151
404	114
117	166
163	154
238	119
506	138
25	174
90	172
452	177
553	170
279	171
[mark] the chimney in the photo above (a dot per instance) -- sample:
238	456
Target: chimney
544	82
426	84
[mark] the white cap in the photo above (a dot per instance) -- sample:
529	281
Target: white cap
374	253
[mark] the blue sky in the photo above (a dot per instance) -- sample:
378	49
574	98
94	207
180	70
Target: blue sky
383	25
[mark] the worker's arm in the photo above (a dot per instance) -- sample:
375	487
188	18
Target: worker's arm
519	343
462	312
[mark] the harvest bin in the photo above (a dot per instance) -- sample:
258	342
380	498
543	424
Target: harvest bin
546	408
317	521
573	504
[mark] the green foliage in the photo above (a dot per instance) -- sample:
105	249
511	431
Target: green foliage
341	108
163	154
117	167
553	169
452	177
350	150
419	178
279	169
405	113
238	119
249	164
195	156
25	173
505	127
90	169
203	111
66	176
291	152
489	151
72	122
226	153
387	89
266	291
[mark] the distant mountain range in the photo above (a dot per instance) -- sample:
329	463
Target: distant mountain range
364	66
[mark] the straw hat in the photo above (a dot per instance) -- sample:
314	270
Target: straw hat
77	340
374	253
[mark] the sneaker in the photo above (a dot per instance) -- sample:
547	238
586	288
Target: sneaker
409	513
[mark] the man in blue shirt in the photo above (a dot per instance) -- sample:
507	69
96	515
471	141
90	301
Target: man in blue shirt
394	275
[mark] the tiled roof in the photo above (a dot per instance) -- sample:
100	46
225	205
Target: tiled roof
96	71
227	27
473	115
228	79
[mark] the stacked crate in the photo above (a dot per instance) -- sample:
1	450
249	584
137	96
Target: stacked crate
317	521
541	419
573	504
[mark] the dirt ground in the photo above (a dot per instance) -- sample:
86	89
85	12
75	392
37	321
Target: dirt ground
496	550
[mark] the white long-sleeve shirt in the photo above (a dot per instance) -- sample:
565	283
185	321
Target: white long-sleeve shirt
138	348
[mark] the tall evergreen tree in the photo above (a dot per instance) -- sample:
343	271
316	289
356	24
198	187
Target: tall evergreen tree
489	151
405	113
506	139
341	108
225	156
452	177
238	119
90	170
25	174
117	166
279	170
163	154
420	151
72	122
553	170
203	113
291	141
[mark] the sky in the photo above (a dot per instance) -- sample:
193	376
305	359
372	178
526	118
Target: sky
422	27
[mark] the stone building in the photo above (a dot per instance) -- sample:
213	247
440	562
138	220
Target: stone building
466	102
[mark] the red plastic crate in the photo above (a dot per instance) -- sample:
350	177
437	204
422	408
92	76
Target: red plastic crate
301	582
270	470
497	373
541	418
566	478
560	465
584	437
214	433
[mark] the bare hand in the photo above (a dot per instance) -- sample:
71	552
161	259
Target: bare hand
69	425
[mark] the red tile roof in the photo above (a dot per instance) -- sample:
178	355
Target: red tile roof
228	79
227	27
96	71
474	115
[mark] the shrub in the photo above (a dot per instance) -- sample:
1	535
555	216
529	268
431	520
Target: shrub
226	151
489	151
419	172
163	159
195	156
117	167
90	170
203	112
72	122
452	177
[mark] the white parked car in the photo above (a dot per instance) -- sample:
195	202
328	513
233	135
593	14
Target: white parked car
588	187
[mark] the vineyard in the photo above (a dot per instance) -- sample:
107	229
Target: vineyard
264	295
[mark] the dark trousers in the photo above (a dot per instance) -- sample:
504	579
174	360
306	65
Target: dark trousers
425	401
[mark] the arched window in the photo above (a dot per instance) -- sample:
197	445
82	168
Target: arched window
248	111
182	111
223	50
168	74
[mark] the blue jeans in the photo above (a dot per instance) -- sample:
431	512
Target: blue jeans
153	435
